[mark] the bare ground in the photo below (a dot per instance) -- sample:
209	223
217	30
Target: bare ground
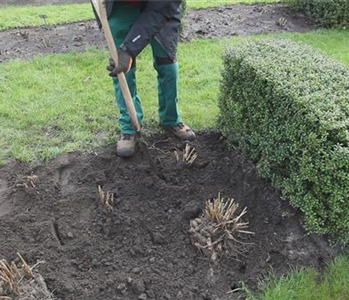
142	250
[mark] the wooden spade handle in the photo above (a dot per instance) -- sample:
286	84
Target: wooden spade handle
121	76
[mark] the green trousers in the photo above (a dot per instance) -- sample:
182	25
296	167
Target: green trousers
121	20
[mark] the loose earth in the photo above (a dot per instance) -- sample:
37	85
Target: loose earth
142	250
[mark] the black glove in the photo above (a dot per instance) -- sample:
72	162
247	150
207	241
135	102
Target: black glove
124	64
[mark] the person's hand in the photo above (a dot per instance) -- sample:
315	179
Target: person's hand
124	64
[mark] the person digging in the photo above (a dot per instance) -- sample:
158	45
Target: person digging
134	25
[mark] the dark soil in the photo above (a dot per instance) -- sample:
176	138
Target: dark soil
244	20
31	42
142	250
203	23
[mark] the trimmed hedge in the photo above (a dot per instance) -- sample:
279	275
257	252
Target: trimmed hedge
184	13
287	105
329	13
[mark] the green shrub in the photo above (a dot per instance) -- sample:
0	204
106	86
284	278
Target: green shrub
184	7
184	13
329	13
287	105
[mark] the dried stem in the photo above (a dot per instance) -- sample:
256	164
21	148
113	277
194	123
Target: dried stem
12	276
107	199
189	155
20	282
220	228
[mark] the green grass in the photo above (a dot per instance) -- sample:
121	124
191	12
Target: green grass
27	16
60	103
308	284
64	102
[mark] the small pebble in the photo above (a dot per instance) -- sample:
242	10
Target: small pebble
191	230
151	294
121	286
143	296
198	220
139	286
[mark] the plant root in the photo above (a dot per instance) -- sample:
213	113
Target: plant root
106	199
220	229
189	155
22	283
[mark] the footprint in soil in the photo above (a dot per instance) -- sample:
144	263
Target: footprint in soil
5	203
63	177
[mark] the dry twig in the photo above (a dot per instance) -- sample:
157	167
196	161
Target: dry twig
12	276
220	229
27	270
107	199
30	181
281	22
189	155
21	282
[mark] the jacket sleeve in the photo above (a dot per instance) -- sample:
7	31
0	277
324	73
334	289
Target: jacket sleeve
150	22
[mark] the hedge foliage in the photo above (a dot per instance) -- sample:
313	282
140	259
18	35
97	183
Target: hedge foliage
184	13
287	105
329	13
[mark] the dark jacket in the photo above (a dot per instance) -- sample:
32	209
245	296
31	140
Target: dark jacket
160	20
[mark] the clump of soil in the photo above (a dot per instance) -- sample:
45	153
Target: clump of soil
203	23
141	248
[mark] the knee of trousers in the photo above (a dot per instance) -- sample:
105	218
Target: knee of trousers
163	61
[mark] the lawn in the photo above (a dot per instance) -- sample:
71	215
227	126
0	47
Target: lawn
64	102
28	16
308	284
24	16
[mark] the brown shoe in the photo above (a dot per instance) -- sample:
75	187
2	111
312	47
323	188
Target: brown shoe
182	131
126	145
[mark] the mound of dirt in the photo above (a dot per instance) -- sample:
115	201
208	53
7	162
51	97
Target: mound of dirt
203	23
142	249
